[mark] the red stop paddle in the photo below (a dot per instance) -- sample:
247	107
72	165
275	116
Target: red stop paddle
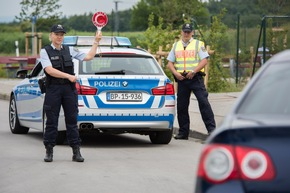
100	20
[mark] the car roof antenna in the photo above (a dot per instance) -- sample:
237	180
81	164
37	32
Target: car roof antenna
112	42
112	36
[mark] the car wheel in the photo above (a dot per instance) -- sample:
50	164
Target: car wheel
161	137
61	135
14	123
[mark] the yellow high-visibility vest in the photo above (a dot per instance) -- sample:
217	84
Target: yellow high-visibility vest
187	59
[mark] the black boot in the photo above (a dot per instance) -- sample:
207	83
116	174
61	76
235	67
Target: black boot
49	154
77	157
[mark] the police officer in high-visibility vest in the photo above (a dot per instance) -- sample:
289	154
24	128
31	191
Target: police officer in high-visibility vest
56	60
186	61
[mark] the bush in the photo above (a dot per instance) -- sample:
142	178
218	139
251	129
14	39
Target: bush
216	38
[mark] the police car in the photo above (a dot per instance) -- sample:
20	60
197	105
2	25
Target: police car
122	90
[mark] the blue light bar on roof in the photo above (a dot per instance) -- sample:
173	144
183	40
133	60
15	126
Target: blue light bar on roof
123	41
70	40
89	40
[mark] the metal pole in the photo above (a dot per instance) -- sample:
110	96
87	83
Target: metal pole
264	39
33	21
238	47
17	48
32	39
116	17
256	55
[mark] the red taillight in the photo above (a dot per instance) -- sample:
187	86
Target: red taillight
85	90
255	164
168	89
221	163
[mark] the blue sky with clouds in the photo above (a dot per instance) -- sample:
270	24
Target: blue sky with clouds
11	8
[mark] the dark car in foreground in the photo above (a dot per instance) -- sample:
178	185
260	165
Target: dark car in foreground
250	151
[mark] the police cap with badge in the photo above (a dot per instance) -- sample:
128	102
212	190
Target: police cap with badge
57	28
187	27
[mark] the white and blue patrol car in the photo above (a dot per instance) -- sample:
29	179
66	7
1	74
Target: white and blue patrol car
122	90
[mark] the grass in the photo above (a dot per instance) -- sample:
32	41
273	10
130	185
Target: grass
3	73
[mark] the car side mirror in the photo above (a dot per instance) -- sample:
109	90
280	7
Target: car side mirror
21	74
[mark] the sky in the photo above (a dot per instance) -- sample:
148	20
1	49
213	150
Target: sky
11	8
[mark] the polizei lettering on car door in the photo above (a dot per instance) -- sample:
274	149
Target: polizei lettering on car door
108	83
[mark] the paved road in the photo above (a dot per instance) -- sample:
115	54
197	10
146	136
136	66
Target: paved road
113	164
122	163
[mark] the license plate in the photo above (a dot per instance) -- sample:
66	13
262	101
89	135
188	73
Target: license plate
124	96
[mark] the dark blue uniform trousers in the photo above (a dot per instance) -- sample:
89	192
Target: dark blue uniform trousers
64	95
185	87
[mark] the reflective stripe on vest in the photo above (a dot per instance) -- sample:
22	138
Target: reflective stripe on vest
187	59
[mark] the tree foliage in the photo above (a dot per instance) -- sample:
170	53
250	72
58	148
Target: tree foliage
140	14
159	35
46	12
124	21
274	7
216	37
176	11
173	12
73	23
38	8
251	11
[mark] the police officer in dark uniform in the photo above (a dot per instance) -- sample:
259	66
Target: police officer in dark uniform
186	61
56	60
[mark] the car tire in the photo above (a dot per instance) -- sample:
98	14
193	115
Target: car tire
161	137
61	135
14	123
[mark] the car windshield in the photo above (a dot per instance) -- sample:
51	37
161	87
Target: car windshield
127	65
270	94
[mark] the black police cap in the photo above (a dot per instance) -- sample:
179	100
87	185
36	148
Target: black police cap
187	27
57	28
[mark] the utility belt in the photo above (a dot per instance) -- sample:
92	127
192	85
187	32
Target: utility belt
59	81
184	73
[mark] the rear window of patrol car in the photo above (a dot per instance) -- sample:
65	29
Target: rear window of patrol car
129	65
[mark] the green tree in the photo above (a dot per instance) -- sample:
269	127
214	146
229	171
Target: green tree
80	22
248	10
251	11
159	35
173	12
41	10
140	14
216	38
124	21
176	11
274	7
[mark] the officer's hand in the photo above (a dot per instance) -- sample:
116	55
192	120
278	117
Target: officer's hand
179	76
98	36
190	75
72	78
